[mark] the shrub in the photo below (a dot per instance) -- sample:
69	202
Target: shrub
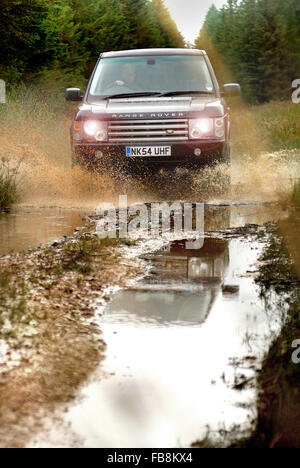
8	184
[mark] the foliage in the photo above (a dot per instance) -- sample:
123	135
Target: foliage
22	38
8	185
53	38
296	193
256	42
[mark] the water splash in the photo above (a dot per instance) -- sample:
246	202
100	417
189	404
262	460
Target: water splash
47	178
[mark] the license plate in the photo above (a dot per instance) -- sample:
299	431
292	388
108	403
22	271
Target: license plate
147	151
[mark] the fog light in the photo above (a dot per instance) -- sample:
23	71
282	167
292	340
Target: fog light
196	133
197	152
100	135
99	155
77	136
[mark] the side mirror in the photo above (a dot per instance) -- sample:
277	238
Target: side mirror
232	89
73	94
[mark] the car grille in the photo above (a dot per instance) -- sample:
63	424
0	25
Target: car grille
148	130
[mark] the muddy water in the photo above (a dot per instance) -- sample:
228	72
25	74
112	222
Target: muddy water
197	332
27	228
183	347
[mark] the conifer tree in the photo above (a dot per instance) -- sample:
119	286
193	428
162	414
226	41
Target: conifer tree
22	38
169	30
258	41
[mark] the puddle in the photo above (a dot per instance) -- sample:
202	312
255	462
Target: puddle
183	347
181	290
23	229
27	228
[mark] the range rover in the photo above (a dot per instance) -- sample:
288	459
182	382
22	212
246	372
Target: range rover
150	109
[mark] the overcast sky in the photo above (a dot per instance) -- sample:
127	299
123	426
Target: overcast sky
189	15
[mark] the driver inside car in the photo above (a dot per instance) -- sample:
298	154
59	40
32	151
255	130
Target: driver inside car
128	78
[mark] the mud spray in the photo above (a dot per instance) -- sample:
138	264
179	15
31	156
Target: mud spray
38	142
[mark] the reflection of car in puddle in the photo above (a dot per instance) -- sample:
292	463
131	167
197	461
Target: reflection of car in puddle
207	265
181	288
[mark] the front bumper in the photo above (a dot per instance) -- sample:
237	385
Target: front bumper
182	155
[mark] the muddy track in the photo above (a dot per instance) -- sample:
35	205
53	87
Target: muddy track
170	318
65	334
51	341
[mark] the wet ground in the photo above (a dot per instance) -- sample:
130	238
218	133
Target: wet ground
29	227
183	344
182	352
26	228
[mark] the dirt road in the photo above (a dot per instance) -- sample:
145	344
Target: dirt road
162	342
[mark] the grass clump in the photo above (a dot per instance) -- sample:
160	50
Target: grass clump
8	185
266	128
296	193
280	122
79	255
13	309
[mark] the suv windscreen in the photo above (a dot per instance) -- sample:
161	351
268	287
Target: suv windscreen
161	74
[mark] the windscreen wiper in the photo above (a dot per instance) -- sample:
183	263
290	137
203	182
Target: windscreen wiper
129	95
178	93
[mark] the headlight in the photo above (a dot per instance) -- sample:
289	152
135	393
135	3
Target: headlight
206	128
199	268
91	127
95	130
201	128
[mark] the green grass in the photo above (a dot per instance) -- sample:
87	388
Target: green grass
280	121
8	185
77	256
270	127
